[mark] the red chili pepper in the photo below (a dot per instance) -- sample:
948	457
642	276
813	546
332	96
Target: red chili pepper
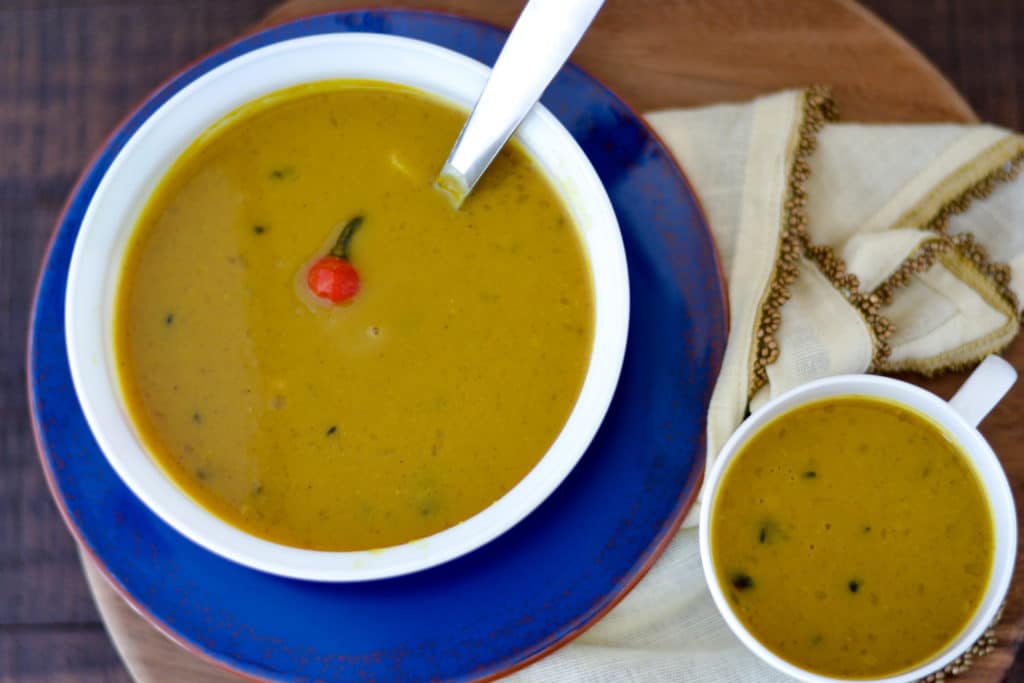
332	277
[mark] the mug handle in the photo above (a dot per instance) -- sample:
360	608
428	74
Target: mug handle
983	389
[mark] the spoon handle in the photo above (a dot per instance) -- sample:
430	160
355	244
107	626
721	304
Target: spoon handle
542	39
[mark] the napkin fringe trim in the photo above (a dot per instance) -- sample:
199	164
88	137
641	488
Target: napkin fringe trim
975	180
999	164
817	109
963	255
868	304
831	266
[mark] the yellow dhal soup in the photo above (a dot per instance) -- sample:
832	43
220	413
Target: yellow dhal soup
852	538
408	408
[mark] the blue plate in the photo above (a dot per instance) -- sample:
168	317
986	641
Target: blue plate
522	595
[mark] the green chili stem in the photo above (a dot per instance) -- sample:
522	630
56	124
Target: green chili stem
340	248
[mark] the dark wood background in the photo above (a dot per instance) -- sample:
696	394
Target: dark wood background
69	69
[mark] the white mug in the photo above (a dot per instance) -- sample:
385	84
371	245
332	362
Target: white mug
959	418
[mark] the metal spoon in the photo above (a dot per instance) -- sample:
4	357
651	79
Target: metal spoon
544	36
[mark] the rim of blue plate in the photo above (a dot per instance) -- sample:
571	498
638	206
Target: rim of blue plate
254	39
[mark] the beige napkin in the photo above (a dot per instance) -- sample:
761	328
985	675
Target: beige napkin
847	248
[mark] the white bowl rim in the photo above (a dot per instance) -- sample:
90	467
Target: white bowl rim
982	458
115	435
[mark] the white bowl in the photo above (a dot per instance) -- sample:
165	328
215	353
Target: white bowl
958	418
135	173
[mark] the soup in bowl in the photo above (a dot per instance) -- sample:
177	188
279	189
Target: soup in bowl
295	351
860	528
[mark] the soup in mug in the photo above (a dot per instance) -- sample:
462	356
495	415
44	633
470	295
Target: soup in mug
852	537
433	383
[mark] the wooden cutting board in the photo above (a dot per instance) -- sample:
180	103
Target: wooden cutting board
658	54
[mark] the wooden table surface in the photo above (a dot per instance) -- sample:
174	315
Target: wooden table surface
70	69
